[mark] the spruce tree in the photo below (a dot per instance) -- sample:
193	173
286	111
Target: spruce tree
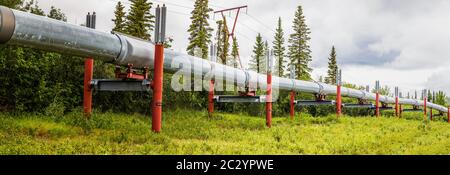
258	62
57	14
266	51
235	52
140	20
11	3
222	41
199	30
32	7
278	50
299	51
119	20
332	67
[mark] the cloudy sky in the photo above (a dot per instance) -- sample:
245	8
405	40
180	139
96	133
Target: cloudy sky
403	43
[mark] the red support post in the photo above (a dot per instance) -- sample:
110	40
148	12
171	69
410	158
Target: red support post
87	93
377	104
157	87
425	107
338	101
269	100
211	98
291	104
397	113
448	114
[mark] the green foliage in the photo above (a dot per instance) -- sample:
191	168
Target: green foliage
278	50
139	19
57	14
440	98
112	133
119	18
332	68
258	61
235	52
299	51
11	3
33	7
222	41
385	90
199	30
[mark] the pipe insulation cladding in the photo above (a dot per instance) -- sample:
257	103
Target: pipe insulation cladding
29	30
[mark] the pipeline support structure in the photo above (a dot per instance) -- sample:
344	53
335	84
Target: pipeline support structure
29	30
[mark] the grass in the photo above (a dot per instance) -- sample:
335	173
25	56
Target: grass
192	132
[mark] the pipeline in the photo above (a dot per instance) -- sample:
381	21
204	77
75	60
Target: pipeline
29	30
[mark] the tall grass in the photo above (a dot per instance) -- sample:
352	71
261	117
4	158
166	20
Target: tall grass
193	132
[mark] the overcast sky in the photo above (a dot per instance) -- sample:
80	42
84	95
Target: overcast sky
403	43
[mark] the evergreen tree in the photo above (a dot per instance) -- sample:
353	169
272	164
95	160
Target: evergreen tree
278	50
235	52
440	98
332	67
57	14
11	3
258	62
119	20
140	20
430	96
32	7
222	41
199	30
299	51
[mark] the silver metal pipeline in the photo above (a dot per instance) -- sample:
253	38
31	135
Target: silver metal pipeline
28	30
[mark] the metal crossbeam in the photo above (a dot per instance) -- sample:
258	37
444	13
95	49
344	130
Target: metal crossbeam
239	99
313	102
358	106
119	85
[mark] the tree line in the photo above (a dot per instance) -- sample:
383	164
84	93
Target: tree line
52	83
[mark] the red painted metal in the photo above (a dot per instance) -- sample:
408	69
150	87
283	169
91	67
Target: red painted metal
377	104
291	104
338	101
230	9
269	101
448	115
235	20
397	113
157	88
131	74
211	98
231	34
87	92
425	108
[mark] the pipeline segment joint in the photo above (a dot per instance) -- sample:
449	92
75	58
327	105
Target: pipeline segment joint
7	24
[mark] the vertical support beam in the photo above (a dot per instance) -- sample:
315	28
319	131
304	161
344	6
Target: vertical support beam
291	104
269	91
338	93
397	112
157	88
87	93
291	100
211	98
377	98
158	70
400	110
211	84
424	94
448	114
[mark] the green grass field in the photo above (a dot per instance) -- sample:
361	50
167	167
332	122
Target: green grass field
192	132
